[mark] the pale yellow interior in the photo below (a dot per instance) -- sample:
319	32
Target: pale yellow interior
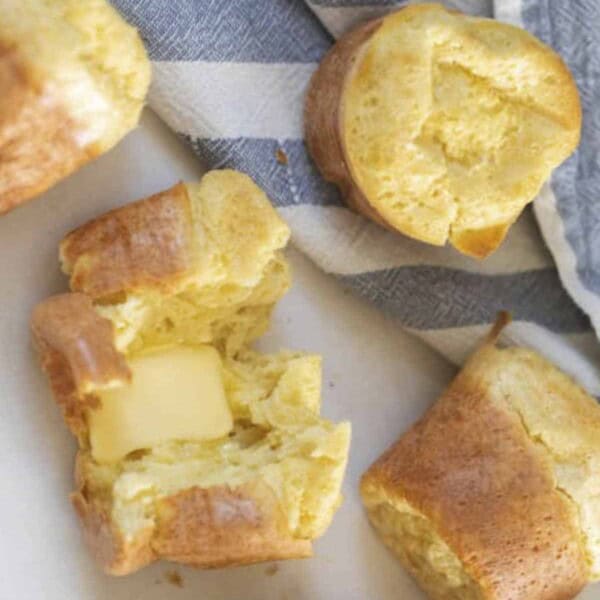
412	538
278	436
239	275
452	124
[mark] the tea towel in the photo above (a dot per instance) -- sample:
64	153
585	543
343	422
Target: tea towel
230	78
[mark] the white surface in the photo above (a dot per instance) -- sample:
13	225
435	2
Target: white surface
374	374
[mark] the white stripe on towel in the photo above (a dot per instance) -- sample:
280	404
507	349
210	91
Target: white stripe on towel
231	100
508	11
335	234
578	354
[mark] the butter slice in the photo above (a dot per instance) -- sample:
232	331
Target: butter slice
175	394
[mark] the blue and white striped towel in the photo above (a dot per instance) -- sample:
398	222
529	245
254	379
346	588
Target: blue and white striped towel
229	78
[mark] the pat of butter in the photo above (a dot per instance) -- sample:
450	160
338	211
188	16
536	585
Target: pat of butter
175	394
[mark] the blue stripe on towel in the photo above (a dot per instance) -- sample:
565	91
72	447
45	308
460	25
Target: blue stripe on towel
230	31
355	3
573	30
294	183
474	7
431	297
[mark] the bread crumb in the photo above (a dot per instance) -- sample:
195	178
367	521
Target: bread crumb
281	156
272	569
174	578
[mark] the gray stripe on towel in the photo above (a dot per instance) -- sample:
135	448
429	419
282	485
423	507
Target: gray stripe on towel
296	182
229	31
430	297
473	7
573	30
355	3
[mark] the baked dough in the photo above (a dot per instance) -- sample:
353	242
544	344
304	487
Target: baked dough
199	264
74	77
495	493
440	125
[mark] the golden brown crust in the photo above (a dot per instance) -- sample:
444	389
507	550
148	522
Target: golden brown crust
322	117
489	491
201	527
148	243
480	243
220	526
37	144
77	352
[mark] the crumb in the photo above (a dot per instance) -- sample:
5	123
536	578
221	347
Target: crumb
281	156
174	578
157	582
272	569
331	384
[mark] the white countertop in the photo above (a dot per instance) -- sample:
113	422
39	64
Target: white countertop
374	374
